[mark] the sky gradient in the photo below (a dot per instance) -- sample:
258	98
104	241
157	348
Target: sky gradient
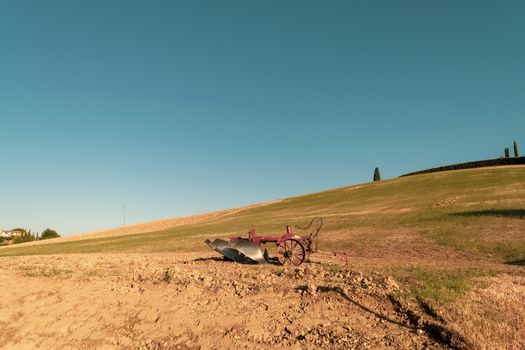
180	107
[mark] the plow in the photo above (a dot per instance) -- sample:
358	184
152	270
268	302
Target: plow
292	249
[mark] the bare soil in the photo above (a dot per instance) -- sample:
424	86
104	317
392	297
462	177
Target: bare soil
190	301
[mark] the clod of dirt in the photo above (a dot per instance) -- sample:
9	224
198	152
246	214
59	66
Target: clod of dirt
391	284
312	289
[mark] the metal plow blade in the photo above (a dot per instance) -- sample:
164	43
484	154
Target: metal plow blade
241	251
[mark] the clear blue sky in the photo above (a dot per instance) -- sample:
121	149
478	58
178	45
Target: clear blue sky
180	107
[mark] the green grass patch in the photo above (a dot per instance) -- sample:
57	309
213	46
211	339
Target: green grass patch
437	286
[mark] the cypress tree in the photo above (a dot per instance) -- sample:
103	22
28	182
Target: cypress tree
516	149
507	154
377	176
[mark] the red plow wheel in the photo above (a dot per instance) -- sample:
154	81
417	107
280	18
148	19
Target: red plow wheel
291	252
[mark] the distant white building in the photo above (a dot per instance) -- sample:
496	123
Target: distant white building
10	233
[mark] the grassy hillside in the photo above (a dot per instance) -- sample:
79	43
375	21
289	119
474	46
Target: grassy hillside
470	213
451	239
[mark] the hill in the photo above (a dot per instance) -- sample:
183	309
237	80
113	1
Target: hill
439	253
459	210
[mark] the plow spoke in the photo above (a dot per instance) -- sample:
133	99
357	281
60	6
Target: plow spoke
291	252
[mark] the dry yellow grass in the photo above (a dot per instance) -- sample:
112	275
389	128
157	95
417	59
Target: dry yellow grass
492	315
151	226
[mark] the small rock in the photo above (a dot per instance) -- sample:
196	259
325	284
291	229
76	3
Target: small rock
207	281
312	289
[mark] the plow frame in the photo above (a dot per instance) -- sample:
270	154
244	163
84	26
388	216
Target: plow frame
291	248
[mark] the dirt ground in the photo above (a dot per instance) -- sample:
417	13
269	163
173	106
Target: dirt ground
190	301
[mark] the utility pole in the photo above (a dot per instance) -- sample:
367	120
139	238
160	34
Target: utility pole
124	214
